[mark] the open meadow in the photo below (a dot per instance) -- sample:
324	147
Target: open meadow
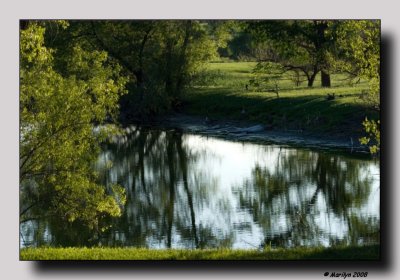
221	94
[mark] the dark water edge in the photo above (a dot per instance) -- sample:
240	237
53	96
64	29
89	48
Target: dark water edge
256	133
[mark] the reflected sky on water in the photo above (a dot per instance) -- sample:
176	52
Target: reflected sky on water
192	191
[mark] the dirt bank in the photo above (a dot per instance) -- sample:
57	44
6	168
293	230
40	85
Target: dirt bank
251	132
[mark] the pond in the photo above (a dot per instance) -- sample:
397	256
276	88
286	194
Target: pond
191	191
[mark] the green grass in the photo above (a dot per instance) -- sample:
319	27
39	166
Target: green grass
299	108
339	253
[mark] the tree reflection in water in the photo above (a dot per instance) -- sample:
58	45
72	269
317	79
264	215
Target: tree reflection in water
164	191
188	191
311	198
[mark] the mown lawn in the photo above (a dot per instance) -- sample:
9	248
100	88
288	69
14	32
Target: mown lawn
224	97
339	253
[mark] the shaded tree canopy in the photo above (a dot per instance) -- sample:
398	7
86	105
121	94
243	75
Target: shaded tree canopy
160	57
298	45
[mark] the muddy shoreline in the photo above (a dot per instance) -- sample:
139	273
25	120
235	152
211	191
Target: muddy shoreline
256	133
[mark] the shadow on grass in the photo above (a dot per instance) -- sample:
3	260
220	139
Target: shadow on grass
310	112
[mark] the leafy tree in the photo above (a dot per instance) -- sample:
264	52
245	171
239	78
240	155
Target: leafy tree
159	56
266	76
359	45
298	45
373	138
232	39
57	141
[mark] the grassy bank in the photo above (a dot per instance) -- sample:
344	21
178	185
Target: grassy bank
338	253
225	97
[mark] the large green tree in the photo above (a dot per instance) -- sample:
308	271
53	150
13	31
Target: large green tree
359	45
301	46
159	56
58	142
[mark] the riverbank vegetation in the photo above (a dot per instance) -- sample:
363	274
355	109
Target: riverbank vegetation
320	253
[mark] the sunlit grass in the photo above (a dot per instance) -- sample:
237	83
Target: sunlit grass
296	107
320	253
239	73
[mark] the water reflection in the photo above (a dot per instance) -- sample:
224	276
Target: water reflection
189	191
308	198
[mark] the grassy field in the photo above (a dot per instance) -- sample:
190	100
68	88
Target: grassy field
223	96
339	253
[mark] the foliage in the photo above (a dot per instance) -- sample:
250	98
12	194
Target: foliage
359	45
57	140
267	76
326	46
359	42
372	128
238	44
161	57
371	252
300	45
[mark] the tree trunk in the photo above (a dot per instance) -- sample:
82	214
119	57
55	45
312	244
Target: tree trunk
168	72
321	44
140	72
325	79
182	59
311	79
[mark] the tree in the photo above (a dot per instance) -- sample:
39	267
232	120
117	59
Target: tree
266	77
298	45
359	46
58	142
159	56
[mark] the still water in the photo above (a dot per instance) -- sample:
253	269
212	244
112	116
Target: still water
192	191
